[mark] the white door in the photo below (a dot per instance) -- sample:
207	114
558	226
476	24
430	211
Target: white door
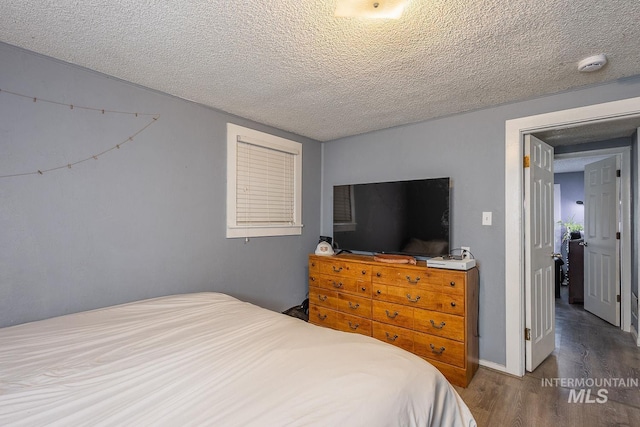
601	219
539	261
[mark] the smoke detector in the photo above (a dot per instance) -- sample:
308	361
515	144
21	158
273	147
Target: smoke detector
592	63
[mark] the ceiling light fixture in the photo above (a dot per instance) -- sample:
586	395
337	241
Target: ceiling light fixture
381	9
592	63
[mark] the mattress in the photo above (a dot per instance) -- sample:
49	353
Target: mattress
210	359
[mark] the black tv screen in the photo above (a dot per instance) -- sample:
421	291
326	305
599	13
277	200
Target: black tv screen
401	217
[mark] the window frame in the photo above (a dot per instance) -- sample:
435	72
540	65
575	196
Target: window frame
238	134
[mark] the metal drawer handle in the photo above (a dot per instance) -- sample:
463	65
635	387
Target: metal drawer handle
337	284
322	316
378	292
354	327
313	264
364	271
322	297
452	283
453	303
355	307
378	274
433	349
417	279
413	300
313	279
392	316
364	288
337	270
436	326
391	338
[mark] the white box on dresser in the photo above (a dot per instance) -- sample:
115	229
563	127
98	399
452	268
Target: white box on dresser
430	312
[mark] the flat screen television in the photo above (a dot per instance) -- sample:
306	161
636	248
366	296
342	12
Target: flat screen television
400	217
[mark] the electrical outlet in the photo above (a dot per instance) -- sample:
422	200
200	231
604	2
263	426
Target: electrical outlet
466	252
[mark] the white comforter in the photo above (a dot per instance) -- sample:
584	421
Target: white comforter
209	359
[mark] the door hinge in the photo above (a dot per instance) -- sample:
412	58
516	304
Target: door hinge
527	161
618	298
617	235
618	173
527	334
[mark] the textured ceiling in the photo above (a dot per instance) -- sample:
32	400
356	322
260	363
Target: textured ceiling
591	132
575	164
293	65
584	133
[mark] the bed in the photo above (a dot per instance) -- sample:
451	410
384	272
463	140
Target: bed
210	359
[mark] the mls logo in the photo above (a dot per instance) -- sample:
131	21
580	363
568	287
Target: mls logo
584	396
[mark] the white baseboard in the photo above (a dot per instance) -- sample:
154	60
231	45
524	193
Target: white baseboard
494	366
634	333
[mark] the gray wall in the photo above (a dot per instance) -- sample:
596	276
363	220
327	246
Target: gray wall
469	148
143	221
572	190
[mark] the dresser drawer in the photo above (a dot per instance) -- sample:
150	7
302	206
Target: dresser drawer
440	349
433	280
314	267
420	298
322	316
355	305
399	276
400	337
440	324
407	295
343	284
393	314
452	304
340	268
323	297
449	282
349	323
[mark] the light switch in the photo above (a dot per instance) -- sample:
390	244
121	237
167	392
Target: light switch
486	218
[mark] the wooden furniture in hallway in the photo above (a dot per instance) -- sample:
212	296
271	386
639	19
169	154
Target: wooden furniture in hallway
576	271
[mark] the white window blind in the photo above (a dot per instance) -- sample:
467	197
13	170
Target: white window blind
265	186
342	204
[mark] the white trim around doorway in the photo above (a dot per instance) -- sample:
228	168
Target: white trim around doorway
514	237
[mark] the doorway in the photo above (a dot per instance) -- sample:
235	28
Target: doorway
602	259
600	218
514	254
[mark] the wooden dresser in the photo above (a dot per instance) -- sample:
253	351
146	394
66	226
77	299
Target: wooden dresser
430	312
575	270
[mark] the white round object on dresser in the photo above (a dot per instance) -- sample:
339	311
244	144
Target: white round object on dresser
324	248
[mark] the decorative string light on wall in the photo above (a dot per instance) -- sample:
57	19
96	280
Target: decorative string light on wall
154	118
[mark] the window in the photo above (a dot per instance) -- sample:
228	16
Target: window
344	218
264	184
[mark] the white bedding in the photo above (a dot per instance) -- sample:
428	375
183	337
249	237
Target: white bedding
210	359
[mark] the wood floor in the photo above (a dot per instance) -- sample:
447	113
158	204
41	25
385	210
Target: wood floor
586	347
